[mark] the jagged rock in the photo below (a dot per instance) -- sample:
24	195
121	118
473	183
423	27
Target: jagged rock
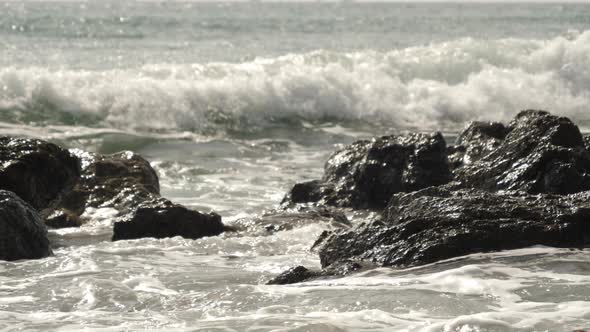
37	171
477	140
541	153
437	223
22	232
366	173
160	218
282	220
120	181
587	142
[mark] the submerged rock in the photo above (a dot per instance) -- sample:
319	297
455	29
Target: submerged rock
301	274
63	218
37	171
437	223
160	218
366	173
282	220
294	275
541	153
22	232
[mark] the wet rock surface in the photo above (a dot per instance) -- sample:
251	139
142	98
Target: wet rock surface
366	173
437	223
541	153
512	186
37	171
160	218
120	181
477	140
62	184
22	232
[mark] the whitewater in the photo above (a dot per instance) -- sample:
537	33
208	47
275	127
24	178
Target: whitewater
233	103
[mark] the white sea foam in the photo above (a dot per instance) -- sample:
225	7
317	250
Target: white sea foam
440	85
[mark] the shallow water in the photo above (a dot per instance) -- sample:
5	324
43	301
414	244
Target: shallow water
233	104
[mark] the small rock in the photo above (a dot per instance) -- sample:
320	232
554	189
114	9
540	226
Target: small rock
294	275
160	218
282	220
63	218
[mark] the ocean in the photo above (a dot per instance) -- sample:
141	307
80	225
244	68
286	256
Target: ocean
233	103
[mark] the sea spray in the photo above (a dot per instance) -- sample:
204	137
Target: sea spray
438	86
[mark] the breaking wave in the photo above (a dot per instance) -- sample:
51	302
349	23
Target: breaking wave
440	85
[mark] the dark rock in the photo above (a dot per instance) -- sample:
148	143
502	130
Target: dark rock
478	139
160	218
37	171
282	220
366	173
294	275
587	142
120	181
301	274
541	153
436	223
22	232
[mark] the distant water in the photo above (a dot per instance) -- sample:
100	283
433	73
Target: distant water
235	102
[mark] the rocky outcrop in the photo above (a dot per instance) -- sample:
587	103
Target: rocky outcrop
62	184
160	218
437	223
366	173
587	142
541	153
37	171
22	232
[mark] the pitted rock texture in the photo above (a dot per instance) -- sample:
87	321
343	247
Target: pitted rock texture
541	153
436	223
366	173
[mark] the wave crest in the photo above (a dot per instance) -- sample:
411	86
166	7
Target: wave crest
435	86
